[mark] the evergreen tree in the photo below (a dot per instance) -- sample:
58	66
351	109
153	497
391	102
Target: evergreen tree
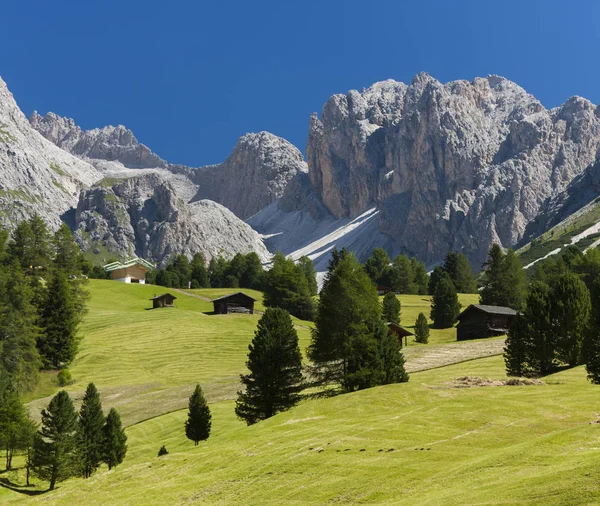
286	287
464	281
377	267
60	320
421	329
114	445
19	356
275	364
308	269
390	357
216	271
445	307
571	308
391	308
420	279
517	347
68	255
90	437
197	426
163	451
14	420
504	280
541	342
450	266
236	268
199	272
401	275
254	274
434	279
54	447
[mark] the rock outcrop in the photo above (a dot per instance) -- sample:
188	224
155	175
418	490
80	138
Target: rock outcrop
143	216
109	143
255	174
450	166
36	177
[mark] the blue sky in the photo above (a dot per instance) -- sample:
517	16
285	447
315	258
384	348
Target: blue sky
190	77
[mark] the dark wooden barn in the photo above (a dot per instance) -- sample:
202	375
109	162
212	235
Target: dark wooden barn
234	303
163	300
401	332
382	290
479	321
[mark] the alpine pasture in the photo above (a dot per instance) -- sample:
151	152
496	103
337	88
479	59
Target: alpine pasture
429	441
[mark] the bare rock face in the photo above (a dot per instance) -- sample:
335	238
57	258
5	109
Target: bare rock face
143	216
109	143
255	174
450	166
36	177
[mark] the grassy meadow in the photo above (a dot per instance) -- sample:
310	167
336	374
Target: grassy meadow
428	441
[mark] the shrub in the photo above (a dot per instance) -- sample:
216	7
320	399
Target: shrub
64	377
163	451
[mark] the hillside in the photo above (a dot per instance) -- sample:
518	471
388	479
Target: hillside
430	441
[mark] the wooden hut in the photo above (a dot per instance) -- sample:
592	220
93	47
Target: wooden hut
234	303
163	300
401	332
132	271
382	290
479	321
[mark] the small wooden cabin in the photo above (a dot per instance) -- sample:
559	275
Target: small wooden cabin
132	271
382	290
163	300
400	332
234	303
479	321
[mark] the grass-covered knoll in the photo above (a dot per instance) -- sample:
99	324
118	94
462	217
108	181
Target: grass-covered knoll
422	442
146	361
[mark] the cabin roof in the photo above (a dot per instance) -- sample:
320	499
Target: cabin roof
229	295
114	266
163	295
498	310
399	329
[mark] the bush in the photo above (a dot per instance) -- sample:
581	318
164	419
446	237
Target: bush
163	451
64	377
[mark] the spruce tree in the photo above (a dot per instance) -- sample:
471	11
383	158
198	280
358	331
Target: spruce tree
14	420
90	437
197	425
391	308
420	279
503	280
541	341
390	357
421	329
60	320
445	307
401	275
114	442
254	275
275	364
435	277
307	267
377	266
67	253
464	281
517	348
54	455
450	266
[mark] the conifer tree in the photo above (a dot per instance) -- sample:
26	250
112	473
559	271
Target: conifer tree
503	280
308	269
199	272
444	304
434	279
60	320
90	437
274	382
197	425
377	266
517	348
450	265
421	329
114	443
54	448
14	420
401	274
464	281
391	308
541	341
420	279
390	357
253	275
68	255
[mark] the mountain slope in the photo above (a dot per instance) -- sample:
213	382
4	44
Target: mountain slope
35	175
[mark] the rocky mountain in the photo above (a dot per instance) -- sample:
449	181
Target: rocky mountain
442	166
109	143
255	174
35	175
144	216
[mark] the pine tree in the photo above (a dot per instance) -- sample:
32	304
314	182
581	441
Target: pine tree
434	279
275	364
14	420
515	284
199	272
197	426
444	304
90	437
503	280
421	329
541	341
517	347
377	266
391	359
54	447
420	279
308	269
450	266
114	442
67	257
60	320
401	275
254	274
464	281
391	308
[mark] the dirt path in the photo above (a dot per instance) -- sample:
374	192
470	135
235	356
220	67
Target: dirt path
422	358
196	296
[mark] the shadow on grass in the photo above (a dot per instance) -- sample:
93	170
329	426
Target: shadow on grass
21	489
209	313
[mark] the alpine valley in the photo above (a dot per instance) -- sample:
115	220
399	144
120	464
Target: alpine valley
419	168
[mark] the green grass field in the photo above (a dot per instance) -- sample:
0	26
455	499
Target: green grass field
423	442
